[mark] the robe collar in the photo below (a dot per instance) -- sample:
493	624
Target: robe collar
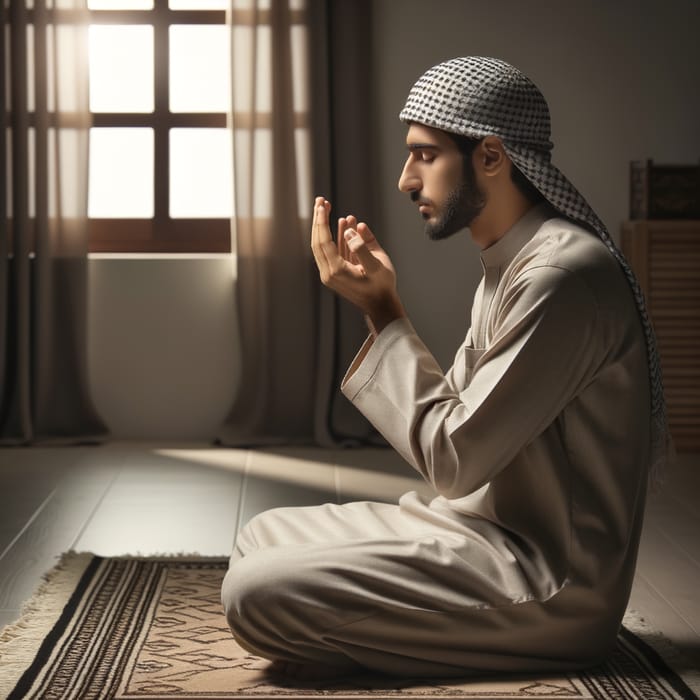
501	253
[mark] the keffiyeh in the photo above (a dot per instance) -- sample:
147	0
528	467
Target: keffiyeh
476	97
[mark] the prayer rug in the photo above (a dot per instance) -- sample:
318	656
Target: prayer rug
153	628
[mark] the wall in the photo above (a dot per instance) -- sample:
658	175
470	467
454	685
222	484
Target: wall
622	80
162	344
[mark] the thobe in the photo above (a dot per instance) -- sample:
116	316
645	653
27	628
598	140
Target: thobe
536	443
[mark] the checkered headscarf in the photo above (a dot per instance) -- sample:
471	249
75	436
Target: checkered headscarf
476	97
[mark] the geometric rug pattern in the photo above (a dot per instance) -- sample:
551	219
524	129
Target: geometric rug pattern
153	628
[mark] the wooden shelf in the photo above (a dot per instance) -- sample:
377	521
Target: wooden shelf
665	256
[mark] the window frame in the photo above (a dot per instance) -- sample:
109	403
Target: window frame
159	234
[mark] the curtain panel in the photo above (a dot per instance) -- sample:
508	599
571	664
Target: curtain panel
43	218
343	137
292	136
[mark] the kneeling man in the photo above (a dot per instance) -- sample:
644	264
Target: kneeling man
538	441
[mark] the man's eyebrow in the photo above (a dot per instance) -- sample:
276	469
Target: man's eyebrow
421	146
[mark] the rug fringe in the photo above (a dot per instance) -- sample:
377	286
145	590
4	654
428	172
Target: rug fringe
636	623
20	641
171	556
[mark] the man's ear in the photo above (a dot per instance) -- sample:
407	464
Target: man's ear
492	155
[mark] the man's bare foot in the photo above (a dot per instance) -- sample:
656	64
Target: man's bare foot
305	672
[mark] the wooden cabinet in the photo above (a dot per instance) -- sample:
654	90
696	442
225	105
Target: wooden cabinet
665	256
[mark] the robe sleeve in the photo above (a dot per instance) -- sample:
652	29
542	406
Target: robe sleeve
545	345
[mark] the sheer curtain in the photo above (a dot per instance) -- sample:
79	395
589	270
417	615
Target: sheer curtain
275	287
43	214
284	136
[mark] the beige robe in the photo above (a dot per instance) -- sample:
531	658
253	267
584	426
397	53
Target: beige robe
536	443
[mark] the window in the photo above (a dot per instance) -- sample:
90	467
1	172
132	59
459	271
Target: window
160	151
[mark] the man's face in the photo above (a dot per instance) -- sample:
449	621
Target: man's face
439	182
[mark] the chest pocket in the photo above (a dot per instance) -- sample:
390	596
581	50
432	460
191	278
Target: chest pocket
471	357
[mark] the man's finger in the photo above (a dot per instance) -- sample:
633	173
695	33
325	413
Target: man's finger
358	246
331	264
340	238
321	225
321	235
317	202
314	241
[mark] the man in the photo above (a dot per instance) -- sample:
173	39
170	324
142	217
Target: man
537	440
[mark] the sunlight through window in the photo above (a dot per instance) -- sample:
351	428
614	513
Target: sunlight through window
120	4
161	150
199	68
200	173
121	68
125	161
121	173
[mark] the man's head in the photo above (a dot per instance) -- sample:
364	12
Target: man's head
477	97
483	106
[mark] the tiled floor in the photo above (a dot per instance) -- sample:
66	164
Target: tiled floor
137	498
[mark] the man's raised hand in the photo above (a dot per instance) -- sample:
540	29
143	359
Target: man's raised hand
357	267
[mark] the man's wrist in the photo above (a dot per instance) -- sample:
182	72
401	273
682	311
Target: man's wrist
379	318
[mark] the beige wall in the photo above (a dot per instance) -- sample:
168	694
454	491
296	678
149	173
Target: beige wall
162	345
622	78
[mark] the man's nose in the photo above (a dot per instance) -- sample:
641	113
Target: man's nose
408	181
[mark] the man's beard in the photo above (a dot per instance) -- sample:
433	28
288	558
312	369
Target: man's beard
462	206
